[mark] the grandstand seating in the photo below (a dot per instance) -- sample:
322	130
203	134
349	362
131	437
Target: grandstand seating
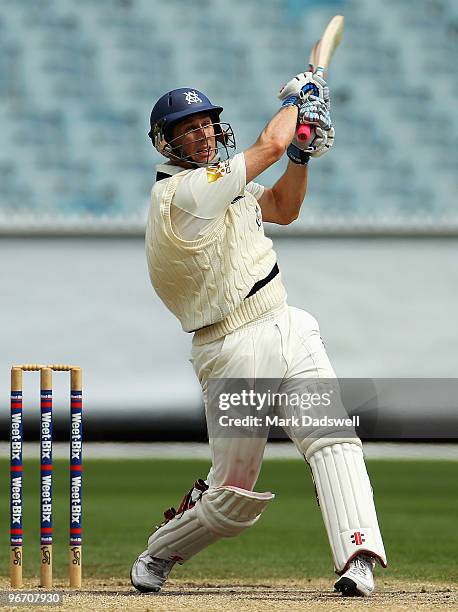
78	79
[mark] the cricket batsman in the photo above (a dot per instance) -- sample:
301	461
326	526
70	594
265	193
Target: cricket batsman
215	270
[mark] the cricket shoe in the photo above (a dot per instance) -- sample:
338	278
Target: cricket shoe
148	574
358	580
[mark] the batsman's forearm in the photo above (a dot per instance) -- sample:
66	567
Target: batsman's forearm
290	190
281	128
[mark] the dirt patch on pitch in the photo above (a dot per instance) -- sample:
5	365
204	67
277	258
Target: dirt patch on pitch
115	594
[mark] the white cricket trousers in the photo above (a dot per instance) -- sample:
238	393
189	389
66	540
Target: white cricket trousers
284	343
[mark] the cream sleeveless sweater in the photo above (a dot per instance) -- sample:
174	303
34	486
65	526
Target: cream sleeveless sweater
204	282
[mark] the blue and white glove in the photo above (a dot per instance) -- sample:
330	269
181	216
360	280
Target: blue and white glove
323	141
310	93
300	87
315	111
300	152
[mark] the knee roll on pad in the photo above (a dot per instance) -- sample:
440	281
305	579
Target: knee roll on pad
329	439
222	512
227	511
346	501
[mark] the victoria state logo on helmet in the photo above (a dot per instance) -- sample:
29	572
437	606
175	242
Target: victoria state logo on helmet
192	97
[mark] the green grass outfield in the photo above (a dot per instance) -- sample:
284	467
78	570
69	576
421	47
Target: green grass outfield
417	503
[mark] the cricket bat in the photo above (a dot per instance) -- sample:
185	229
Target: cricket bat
320	58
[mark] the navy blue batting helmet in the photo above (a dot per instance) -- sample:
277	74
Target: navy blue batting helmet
175	106
178	104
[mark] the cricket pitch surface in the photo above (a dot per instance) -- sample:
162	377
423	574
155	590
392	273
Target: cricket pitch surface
116	594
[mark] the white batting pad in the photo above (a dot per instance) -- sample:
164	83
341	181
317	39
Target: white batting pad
222	512
346	501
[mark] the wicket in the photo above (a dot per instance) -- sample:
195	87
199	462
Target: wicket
16	482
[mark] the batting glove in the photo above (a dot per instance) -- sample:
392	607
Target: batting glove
323	141
303	85
315	111
297	155
300	152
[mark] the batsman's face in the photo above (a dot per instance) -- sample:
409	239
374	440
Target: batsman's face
195	137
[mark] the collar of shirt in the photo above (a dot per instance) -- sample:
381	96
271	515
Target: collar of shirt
168	169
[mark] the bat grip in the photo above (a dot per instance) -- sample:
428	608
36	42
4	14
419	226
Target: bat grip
304	132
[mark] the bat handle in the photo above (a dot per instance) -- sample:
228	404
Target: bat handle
304	132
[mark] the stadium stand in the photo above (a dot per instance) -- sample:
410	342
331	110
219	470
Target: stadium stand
78	79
